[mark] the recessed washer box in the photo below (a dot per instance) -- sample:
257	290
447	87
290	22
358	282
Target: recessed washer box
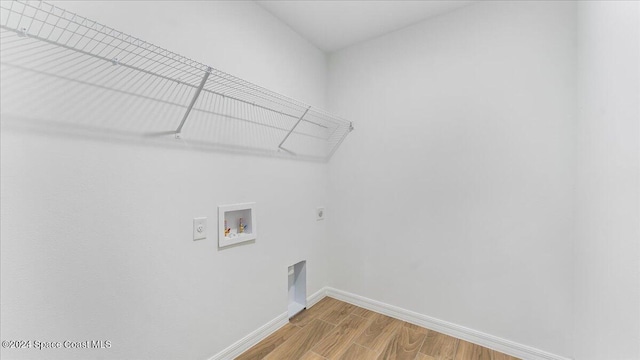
236	224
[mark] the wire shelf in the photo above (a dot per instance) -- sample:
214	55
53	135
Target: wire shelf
68	70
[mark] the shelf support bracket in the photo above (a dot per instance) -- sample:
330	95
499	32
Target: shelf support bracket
337	145
193	102
290	131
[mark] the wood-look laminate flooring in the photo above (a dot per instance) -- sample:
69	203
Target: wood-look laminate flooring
335	330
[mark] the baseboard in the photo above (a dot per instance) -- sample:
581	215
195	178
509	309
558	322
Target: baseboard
493	342
477	337
265	330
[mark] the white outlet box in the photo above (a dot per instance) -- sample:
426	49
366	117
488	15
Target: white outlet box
320	213
200	228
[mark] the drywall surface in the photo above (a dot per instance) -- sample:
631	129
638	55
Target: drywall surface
607	246
97	234
453	197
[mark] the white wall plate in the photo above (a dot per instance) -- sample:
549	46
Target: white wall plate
200	228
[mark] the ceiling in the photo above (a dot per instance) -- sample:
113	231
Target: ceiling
333	25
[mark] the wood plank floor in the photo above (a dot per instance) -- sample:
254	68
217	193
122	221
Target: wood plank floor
335	330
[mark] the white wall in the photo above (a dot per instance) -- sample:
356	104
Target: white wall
607	247
453	197
96	235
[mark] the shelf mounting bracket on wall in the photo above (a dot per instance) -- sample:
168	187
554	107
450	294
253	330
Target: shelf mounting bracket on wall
193	102
290	131
344	136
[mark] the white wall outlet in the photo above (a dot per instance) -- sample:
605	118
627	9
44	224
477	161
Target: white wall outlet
200	228
320	213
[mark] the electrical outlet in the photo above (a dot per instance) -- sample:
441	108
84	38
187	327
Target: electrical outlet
200	228
320	213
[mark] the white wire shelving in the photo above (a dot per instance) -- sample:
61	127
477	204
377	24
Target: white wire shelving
70	71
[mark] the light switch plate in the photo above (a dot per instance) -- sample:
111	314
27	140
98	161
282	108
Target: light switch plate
320	213
200	228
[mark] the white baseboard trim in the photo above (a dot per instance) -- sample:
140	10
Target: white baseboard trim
317	296
477	337
261	333
493	342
